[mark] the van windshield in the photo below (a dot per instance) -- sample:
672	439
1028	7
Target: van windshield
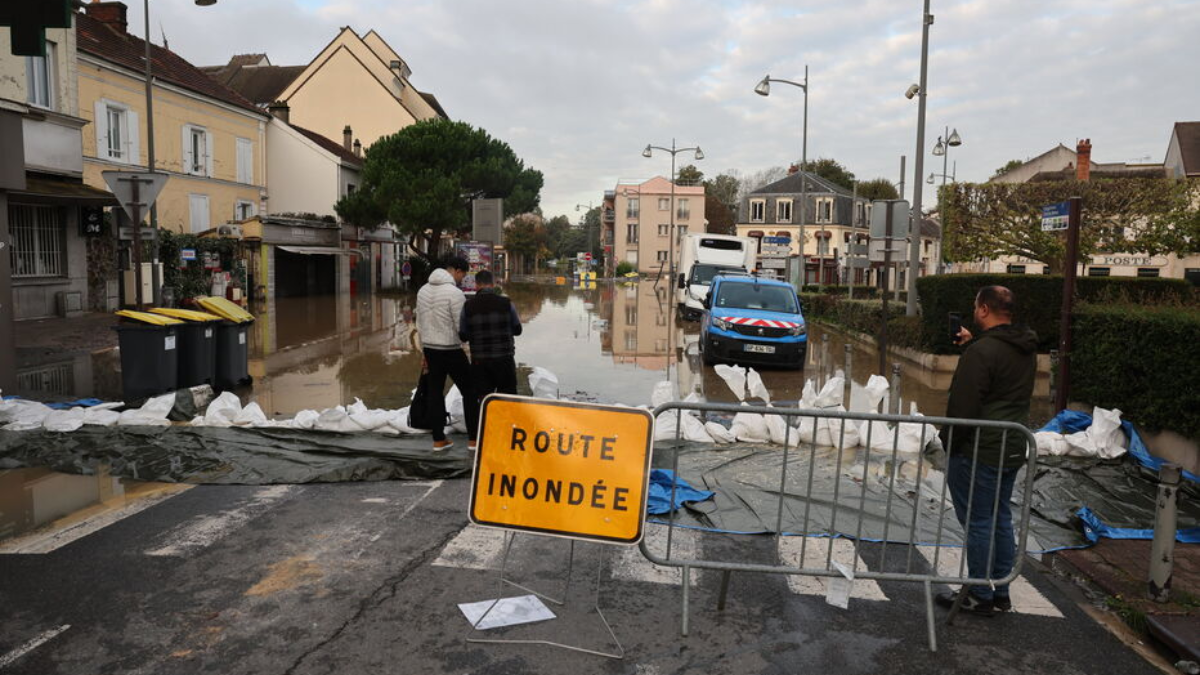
763	297
702	274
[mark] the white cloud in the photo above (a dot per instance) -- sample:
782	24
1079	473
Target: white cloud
578	87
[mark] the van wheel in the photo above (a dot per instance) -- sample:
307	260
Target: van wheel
706	355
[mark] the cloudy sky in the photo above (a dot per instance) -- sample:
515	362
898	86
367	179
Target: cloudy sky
579	87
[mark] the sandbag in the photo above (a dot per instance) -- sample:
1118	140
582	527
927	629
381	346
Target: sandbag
543	383
152	413
756	387
735	377
21	415
719	433
750	427
223	411
63	420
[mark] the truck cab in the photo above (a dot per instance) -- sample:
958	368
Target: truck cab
701	257
752	320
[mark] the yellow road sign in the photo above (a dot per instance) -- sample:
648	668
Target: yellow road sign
562	468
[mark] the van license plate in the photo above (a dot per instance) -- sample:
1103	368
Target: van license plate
761	349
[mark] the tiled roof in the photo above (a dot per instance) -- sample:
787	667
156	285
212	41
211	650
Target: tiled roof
791	185
1189	146
330	145
106	42
261	85
433	103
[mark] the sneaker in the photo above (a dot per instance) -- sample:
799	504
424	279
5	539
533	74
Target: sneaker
970	604
471	445
439	446
1002	603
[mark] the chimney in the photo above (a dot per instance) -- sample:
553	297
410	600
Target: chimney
1083	159
794	168
357	148
111	13
348	138
280	110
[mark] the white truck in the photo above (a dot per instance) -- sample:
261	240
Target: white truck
701	256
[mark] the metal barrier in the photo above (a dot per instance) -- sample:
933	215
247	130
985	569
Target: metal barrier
839	421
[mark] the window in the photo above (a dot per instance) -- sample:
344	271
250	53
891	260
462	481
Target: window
680	231
660	346
244	209
631	340
1193	275
822	245
661	256
350	187
116	132
197	151
1098	271
631	233
664	230
683	209
783	211
664	204
631	209
245	160
38	234
867	210
825	210
39	76
1016	269
1147	271
631	314
758	209
198	213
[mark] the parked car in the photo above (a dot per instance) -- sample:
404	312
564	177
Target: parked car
702	256
753	320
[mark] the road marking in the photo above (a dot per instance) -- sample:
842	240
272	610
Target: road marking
631	565
1025	598
39	640
45	541
203	531
815	552
474	548
390	519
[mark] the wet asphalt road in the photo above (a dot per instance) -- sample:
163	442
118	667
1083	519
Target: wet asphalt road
365	578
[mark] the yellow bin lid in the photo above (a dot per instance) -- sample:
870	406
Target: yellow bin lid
186	314
146	317
225	309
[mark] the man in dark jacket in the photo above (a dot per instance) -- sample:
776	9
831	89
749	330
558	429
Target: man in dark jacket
489	322
993	381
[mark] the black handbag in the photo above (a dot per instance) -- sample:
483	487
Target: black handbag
420	412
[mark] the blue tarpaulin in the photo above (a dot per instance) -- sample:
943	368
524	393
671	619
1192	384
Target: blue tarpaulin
1071	421
659	500
1094	529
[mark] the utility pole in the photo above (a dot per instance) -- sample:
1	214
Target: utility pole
914	250
1068	302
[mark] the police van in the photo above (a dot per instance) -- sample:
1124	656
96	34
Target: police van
752	320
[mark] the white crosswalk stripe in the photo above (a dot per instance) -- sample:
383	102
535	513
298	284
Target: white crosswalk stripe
474	548
203	531
1025	598
815	552
631	565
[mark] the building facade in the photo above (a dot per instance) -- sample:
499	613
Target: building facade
642	218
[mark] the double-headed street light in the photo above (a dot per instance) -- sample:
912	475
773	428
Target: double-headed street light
942	149
649	152
763	88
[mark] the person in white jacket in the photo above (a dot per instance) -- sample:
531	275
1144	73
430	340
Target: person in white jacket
439	306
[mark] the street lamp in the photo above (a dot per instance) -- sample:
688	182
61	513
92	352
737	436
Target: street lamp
648	152
921	92
763	88
589	207
942	149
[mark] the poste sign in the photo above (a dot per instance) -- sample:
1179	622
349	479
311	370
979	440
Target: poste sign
562	468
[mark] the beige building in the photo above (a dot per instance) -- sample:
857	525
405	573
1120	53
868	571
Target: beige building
209	140
356	83
642	218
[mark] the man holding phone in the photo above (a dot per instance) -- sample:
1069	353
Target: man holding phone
993	381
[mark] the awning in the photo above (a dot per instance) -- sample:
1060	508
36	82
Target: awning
316	250
47	191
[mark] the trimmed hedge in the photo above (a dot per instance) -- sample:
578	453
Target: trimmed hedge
861	292
1039	300
865	316
1142	360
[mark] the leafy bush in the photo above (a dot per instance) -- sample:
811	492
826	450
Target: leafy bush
1039	300
866	316
1140	359
859	291
188	279
624	267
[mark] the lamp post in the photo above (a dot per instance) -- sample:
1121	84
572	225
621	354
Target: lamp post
942	149
154	285
914	247
589	207
648	152
763	88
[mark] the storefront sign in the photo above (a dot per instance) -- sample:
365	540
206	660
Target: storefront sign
478	256
562	468
1129	260
186	254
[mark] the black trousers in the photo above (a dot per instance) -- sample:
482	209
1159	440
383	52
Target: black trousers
452	362
493	376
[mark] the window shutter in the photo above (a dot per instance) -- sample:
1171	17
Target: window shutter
188	160
133	136
208	154
101	122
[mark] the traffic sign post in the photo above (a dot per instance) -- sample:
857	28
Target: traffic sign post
1070	266
136	191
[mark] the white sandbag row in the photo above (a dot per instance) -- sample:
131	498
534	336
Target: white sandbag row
1104	439
22	415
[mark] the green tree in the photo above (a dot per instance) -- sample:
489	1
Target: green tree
877	188
525	236
422	180
689	175
1120	215
1009	166
832	171
721	219
724	187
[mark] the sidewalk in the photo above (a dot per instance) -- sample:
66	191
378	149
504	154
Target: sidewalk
43	340
65	359
1120	568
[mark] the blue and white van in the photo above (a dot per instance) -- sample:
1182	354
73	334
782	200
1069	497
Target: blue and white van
753	320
